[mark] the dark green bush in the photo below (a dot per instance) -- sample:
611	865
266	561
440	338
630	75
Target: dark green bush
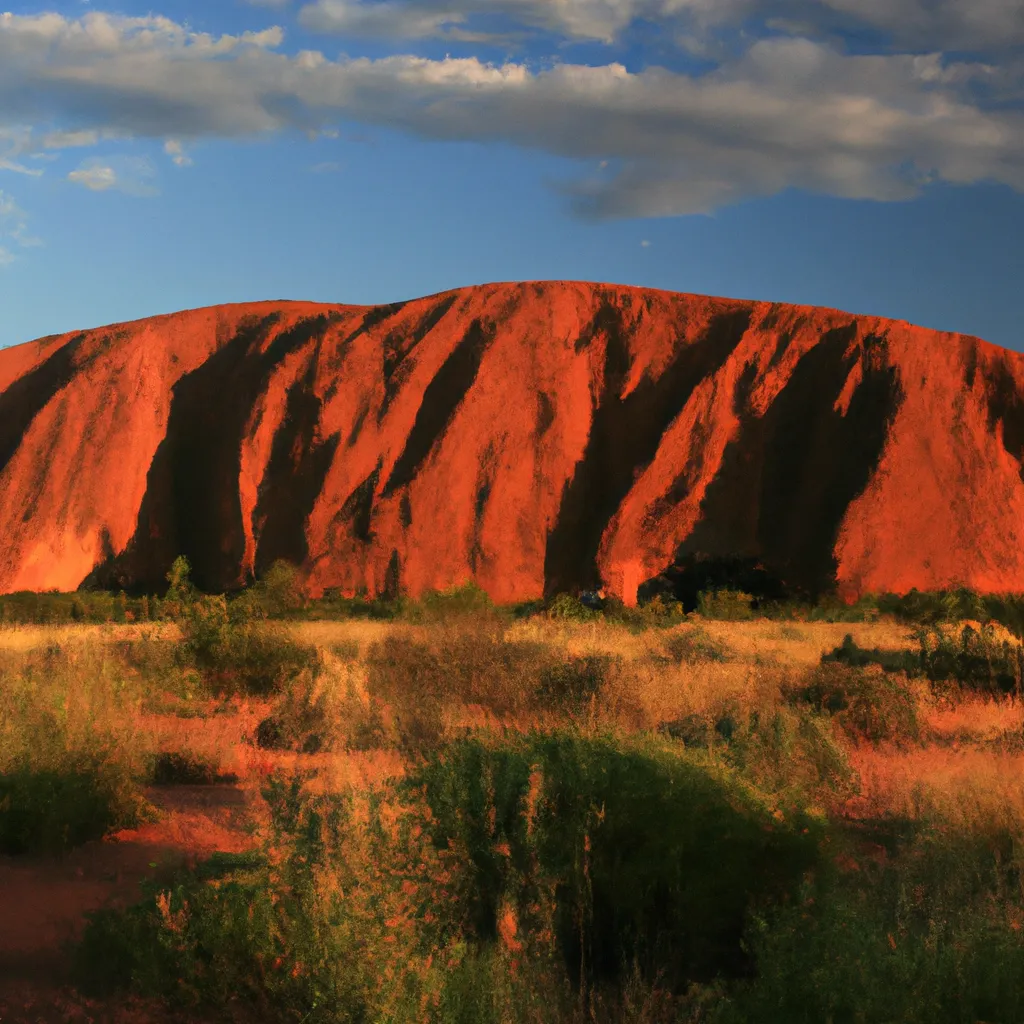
240	654
729	605
926	938
780	751
473	664
51	609
570	608
865	704
573	684
975	661
694	645
52	810
650	857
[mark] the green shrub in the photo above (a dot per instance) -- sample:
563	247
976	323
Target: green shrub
335	920
640	854
654	614
927	938
864	704
457	666
976	661
52	810
324	710
694	645
51	609
240	655
467	601
571	609
571	685
729	605
790	754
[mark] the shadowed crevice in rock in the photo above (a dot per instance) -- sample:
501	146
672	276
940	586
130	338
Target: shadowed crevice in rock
1006	405
484	486
358	508
295	474
27	396
789	476
545	413
397	346
192	505
624	438
441	399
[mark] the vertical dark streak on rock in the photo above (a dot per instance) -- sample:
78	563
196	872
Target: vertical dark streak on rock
441	399
27	396
789	476
624	438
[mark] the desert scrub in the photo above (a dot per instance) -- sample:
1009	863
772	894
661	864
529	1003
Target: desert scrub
237	650
929	936
974	661
850	653
694	645
618	852
571	608
185	768
789	754
866	703
71	759
729	605
50	810
343	916
418	681
326	708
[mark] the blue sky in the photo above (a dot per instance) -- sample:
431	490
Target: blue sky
863	154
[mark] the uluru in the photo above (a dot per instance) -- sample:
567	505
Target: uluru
529	437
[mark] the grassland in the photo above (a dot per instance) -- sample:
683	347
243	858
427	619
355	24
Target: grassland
458	814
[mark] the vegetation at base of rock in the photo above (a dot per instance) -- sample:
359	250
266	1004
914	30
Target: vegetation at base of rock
469	815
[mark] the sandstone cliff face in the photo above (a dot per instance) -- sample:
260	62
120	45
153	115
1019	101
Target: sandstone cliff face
531	437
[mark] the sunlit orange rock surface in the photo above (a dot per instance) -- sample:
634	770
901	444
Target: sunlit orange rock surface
532	437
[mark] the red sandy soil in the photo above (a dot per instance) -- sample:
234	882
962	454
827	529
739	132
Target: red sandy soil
45	902
531	437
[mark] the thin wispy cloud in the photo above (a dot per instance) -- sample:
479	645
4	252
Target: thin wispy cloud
915	24
784	111
13	230
174	149
70	140
14	143
132	175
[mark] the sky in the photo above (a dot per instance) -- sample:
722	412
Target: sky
866	155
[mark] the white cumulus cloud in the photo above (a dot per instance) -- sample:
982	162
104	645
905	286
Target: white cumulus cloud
781	112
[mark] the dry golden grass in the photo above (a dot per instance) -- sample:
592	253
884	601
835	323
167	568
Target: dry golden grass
586	638
360	632
971	788
26	638
644	688
803	643
975	718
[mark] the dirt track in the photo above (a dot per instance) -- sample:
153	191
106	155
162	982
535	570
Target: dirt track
45	902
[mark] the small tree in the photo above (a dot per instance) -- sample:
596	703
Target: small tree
180	591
